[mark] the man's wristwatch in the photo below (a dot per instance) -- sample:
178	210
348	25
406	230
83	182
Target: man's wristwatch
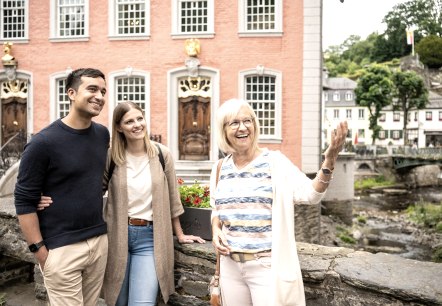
36	246
327	171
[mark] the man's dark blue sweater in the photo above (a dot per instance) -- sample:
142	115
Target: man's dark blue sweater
67	165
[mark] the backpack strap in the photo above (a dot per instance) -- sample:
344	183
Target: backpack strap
160	156
111	169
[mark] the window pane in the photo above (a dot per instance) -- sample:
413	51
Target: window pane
131	17
71	18
131	89
62	99
260	15
193	16
13	19
260	93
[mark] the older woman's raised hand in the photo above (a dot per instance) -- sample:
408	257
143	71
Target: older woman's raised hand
337	142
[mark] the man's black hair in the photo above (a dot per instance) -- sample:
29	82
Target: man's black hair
74	78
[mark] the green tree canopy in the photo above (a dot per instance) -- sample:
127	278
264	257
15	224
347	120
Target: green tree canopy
430	51
410	93
374	91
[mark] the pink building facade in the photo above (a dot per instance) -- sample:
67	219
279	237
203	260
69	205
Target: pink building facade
265	51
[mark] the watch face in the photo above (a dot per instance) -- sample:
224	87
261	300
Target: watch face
36	246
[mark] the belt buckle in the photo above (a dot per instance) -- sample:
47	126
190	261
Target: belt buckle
130	221
238	257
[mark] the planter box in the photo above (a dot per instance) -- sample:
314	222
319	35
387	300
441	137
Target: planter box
196	221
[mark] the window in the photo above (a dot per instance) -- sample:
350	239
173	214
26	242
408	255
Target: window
14	19
261	17
348	113
336	114
440	116
415	116
70	19
361	133
396	134
326	96
382	134
382	117
63	102
129	19
262	89
348	96
349	134
193	17
396	116
361	113
336	96
429	116
131	88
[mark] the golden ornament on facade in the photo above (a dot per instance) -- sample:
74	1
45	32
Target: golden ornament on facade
192	47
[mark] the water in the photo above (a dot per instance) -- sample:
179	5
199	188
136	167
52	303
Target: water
387	228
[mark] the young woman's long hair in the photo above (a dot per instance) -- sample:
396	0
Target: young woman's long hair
119	142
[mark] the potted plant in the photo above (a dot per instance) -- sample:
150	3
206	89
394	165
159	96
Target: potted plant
196	201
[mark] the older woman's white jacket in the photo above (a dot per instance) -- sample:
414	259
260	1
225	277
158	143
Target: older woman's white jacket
290	186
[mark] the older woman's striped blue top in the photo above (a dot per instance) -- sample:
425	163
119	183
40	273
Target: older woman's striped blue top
244	202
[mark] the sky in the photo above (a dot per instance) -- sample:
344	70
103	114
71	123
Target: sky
353	17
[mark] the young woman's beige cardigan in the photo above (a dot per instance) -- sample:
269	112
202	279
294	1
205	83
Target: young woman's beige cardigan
166	205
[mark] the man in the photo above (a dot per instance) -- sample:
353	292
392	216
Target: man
66	161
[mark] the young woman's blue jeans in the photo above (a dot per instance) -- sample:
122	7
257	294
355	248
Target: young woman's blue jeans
140	285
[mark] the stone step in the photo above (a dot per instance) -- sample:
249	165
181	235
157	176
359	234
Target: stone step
14	271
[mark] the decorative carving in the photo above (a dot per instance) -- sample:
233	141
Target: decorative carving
199	86
9	62
192	47
7	46
192	64
14	89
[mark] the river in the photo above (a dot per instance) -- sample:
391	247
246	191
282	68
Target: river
385	226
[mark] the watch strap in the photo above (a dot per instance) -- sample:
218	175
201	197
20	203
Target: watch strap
36	246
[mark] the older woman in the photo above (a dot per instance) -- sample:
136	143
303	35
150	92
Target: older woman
253	214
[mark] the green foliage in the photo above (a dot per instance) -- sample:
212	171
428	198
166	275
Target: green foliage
437	255
195	195
410	92
2	298
430	51
427	214
345	235
374	92
361	219
367	183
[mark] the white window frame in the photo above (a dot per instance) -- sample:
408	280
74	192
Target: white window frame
428	116
176	24
348	96
361	114
336	96
261	71
54	24
382	117
25	37
112	90
54	107
382	134
336	114
325	96
113	24
348	113
242	21
396	117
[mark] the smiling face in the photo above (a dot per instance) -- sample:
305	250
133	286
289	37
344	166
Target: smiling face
88	100
133	125
240	131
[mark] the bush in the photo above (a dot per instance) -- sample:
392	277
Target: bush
430	51
195	195
368	183
427	214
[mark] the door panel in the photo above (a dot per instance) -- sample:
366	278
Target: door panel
13	118
194	128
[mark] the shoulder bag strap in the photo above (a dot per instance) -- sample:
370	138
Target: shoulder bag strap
218	168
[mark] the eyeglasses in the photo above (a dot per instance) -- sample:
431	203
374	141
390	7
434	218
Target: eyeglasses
234	125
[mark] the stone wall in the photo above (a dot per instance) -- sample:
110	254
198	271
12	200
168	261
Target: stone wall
332	276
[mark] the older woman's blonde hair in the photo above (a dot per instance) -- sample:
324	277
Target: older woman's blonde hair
228	111
119	142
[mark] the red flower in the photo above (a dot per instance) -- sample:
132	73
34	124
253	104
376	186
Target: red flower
180	181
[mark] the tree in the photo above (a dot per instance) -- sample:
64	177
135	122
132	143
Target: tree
430	51
410	93
374	91
423	15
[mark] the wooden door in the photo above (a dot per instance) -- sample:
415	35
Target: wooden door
14	120
194	128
